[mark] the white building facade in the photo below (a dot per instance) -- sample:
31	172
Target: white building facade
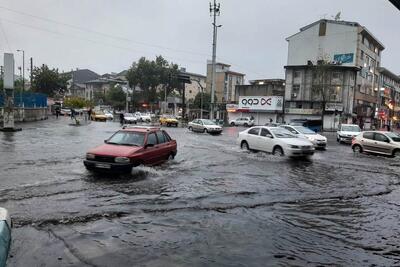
348	47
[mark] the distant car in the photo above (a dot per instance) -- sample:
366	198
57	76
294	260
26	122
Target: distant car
130	118
346	132
109	115
168	120
130	147
318	140
98	115
245	121
65	111
143	117
275	140
5	235
204	126
387	143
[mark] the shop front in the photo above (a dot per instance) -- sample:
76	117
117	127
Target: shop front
263	109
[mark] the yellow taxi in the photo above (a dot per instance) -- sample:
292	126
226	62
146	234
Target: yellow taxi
168	120
98	115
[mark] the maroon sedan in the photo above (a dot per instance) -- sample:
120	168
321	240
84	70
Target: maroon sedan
131	147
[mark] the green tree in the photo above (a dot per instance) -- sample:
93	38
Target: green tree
48	81
151	75
116	97
206	101
76	102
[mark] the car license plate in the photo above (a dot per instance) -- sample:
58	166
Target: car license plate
103	166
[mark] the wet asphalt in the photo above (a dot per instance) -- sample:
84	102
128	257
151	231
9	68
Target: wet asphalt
214	205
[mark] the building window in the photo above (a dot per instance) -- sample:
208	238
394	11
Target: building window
322	28
296	74
363	40
299	105
336	75
362	55
295	88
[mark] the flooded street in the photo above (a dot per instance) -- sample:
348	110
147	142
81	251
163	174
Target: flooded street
213	205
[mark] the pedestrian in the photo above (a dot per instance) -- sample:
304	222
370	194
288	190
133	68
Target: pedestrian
90	114
57	111
121	118
72	113
270	120
388	127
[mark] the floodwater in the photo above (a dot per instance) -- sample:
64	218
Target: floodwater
214	205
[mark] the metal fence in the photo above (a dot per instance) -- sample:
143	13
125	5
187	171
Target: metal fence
27	100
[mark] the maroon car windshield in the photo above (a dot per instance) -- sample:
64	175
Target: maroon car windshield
127	138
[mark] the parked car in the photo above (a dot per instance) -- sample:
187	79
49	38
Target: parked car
5	235
318	140
130	147
275	140
387	143
168	120
346	132
143	117
98	115
315	125
204	126
65	112
130	118
245	121
109	115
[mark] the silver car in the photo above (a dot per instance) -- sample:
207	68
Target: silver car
204	126
387	143
245	121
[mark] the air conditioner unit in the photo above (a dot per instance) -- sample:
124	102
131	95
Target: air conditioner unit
294	95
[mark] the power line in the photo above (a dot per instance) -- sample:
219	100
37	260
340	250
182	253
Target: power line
93	41
101	33
109	36
5	35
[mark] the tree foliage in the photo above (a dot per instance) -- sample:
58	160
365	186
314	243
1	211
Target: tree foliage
76	102
48	81
116	97
206	101
151	75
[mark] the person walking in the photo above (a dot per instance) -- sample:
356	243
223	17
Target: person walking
57	111
90	114
121	118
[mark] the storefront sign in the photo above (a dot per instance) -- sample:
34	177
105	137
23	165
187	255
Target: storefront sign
232	107
261	103
344	58
333	106
303	111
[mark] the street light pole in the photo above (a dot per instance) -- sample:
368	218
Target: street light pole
23	68
214	11
201	97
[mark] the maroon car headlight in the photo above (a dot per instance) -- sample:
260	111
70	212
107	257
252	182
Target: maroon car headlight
90	156
122	160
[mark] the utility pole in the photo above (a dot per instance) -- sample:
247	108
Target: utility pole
23	69
214	11
31	70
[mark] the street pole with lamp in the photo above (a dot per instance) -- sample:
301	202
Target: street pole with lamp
23	68
201	97
214	11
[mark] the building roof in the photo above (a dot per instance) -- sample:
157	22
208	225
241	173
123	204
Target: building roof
105	80
235	73
209	62
388	73
341	22
194	74
83	75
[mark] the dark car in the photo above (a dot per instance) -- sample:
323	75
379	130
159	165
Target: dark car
131	147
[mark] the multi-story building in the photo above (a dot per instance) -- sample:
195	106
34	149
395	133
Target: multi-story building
266	98
349	49
225	82
78	78
198	84
100	86
389	98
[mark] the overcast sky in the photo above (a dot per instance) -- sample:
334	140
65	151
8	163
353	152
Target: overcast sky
107	36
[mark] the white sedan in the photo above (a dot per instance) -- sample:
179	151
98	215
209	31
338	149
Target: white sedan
275	140
318	140
130	118
108	114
